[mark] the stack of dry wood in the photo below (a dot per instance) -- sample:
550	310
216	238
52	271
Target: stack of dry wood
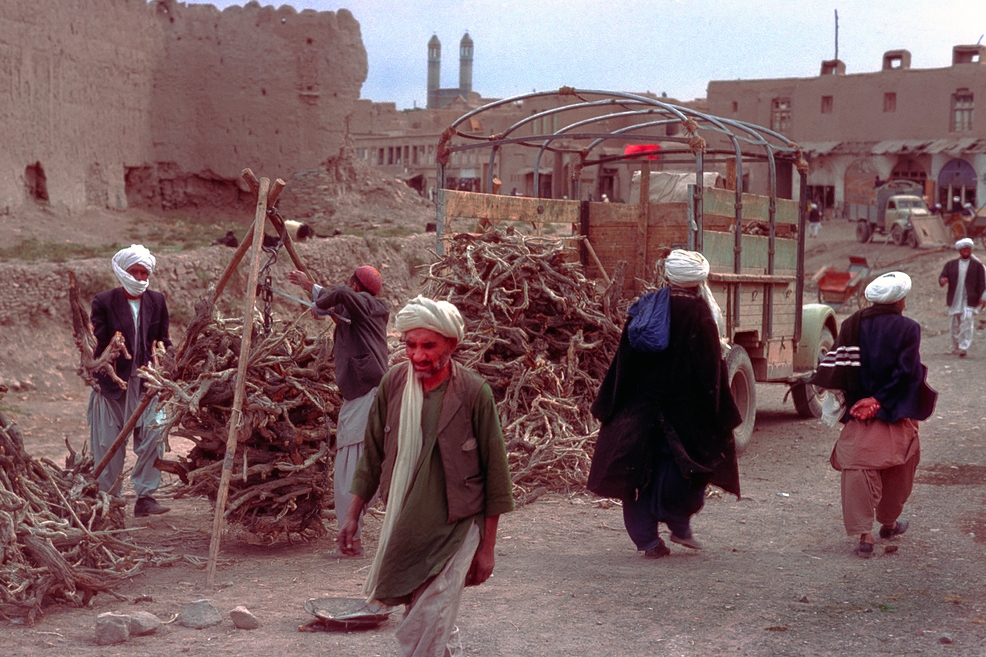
60	538
280	470
543	336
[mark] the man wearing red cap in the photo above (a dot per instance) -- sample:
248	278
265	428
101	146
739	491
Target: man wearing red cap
360	351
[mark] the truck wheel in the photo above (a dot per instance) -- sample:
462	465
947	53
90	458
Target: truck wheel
862	231
897	234
808	398
911	239
742	384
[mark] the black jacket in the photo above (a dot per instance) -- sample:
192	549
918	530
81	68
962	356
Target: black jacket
975	281
359	347
680	395
111	313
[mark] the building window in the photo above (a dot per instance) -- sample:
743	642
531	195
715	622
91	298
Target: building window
826	104
780	119
962	111
380	157
890	102
735	107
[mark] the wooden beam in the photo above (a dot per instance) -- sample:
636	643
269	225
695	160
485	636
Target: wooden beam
643	218
236	423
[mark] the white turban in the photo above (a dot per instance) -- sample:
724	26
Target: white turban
889	288
439	316
686	268
124	259
965	242
691	269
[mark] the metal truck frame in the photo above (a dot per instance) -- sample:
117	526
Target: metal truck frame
758	279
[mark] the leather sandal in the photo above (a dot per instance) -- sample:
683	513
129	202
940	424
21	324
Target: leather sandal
864	551
899	528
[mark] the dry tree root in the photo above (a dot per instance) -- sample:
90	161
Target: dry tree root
60	538
543	336
280	478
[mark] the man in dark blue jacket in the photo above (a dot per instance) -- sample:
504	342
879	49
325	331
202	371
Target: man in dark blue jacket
141	316
360	352
878	361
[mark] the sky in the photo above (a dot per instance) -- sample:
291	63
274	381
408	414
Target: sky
662	46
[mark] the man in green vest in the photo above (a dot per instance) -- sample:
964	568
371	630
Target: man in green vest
434	450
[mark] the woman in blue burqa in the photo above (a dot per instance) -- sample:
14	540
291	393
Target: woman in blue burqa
666	410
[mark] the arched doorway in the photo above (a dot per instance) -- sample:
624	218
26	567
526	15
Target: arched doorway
956	179
860	183
909	169
36	182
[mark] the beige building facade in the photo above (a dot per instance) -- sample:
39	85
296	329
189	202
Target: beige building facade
895	122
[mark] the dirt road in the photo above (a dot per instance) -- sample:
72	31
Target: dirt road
777	576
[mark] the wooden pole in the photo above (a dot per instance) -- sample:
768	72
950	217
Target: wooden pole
275	191
596	261
236	416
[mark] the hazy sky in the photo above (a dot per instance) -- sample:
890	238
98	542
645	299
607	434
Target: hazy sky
672	46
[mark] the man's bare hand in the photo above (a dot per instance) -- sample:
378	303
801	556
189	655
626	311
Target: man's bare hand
302	280
865	409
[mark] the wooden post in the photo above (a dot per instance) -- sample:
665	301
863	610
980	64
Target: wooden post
236	415
643	218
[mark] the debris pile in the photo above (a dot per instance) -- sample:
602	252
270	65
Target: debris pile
60	538
543	337
281	467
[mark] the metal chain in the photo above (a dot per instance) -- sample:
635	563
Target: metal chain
266	290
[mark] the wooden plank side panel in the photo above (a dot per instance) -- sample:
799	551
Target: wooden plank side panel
722	202
493	207
719	251
614	226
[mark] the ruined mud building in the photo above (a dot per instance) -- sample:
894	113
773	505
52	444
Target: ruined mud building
122	103
897	122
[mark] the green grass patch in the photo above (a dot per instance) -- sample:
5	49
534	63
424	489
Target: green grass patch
33	250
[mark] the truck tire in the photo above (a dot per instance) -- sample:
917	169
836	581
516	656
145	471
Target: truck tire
808	398
897	234
957	229
742	384
911	239
862	231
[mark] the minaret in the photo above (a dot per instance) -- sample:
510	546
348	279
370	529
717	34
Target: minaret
465	66
434	70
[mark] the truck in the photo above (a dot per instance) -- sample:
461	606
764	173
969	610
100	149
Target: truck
898	210
755	243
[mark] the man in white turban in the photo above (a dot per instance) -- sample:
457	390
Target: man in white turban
434	451
666	411
141	317
876	363
965	277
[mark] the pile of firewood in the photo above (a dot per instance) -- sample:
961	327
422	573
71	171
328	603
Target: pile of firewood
60	538
543	336
280	472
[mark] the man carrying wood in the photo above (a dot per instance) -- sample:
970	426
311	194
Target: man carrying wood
141	317
360	350
434	450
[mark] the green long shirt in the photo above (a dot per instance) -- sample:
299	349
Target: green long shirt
423	540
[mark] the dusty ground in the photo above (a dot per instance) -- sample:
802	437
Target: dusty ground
777	576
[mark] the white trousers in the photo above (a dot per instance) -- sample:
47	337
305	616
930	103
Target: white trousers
961	326
106	419
813	228
428	627
350	428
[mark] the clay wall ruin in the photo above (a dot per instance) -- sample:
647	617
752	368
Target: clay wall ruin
113	103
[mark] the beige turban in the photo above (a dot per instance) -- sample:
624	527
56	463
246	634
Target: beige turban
691	269
889	288
124	259
439	316
963	243
686	268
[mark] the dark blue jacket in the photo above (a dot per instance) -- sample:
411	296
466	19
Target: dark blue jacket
359	347
891	368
